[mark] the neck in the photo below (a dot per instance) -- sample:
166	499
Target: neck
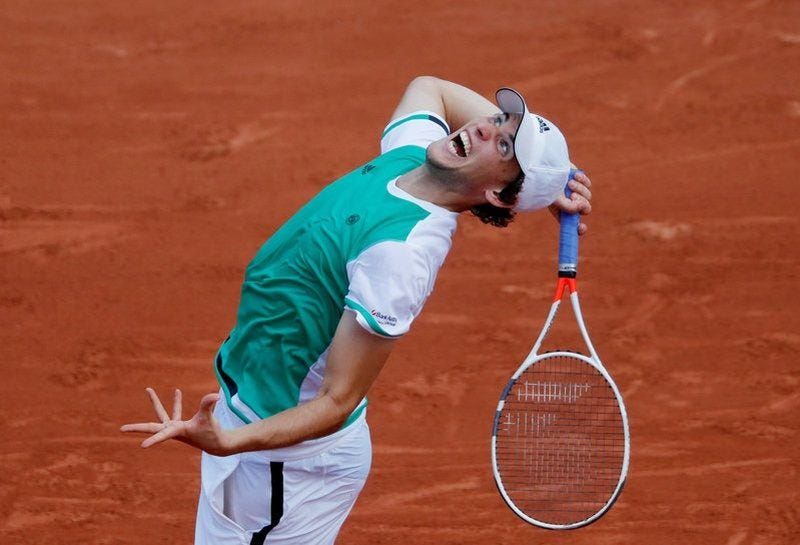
423	183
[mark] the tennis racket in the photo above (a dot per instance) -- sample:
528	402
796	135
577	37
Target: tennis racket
560	442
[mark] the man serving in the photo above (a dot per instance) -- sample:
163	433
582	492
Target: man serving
285	442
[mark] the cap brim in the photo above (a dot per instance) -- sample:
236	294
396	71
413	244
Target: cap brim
510	101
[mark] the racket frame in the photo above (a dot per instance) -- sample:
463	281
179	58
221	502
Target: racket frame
567	272
564	284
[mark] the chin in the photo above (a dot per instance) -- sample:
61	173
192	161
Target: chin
436	156
441	169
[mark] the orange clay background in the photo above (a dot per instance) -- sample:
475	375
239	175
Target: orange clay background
148	148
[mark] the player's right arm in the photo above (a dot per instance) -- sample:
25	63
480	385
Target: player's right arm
451	101
354	361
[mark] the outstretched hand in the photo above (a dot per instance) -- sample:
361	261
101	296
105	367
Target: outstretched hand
202	431
577	202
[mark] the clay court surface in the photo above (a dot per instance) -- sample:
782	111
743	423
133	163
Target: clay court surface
148	149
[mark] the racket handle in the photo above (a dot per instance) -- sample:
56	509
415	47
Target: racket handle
568	238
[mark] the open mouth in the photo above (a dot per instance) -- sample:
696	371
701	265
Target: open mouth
460	144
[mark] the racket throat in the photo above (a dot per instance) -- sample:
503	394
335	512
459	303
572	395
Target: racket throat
565	285
549	322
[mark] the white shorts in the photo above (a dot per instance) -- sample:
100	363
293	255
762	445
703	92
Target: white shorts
251	499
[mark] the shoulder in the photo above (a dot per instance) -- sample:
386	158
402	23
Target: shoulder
418	250
388	285
404	218
418	128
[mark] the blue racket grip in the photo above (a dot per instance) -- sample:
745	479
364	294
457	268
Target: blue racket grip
568	238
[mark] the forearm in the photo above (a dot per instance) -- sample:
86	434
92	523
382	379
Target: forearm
316	418
455	103
354	361
462	104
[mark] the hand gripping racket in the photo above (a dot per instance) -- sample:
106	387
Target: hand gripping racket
560	443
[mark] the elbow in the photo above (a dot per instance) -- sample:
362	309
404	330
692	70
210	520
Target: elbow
424	82
341	407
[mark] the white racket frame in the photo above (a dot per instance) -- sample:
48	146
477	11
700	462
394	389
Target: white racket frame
594	360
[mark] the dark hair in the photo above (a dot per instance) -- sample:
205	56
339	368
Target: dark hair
494	215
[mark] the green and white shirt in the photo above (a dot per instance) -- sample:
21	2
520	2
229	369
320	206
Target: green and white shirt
363	245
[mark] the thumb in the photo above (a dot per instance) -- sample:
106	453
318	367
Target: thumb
207	403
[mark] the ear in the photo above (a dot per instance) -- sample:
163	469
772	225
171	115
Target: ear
493	198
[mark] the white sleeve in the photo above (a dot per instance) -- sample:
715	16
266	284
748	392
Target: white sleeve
415	129
389	284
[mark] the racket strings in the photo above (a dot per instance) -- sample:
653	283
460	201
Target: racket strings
560	441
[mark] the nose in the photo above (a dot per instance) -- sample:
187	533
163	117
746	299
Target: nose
485	130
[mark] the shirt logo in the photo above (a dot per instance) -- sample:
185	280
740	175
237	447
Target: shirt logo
352	218
542	125
367	168
383	319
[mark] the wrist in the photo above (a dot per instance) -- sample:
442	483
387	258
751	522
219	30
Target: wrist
231	442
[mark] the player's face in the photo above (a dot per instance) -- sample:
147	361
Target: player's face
480	153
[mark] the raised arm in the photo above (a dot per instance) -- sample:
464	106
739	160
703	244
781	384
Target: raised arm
355	359
455	103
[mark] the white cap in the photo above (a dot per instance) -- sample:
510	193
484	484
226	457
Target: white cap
541	152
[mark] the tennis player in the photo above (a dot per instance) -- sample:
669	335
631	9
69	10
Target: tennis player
286	450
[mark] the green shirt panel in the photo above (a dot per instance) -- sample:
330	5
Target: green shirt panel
293	293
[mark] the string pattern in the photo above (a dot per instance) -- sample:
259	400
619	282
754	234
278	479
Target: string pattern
560	441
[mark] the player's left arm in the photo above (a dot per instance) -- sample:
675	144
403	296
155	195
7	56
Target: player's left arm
355	359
